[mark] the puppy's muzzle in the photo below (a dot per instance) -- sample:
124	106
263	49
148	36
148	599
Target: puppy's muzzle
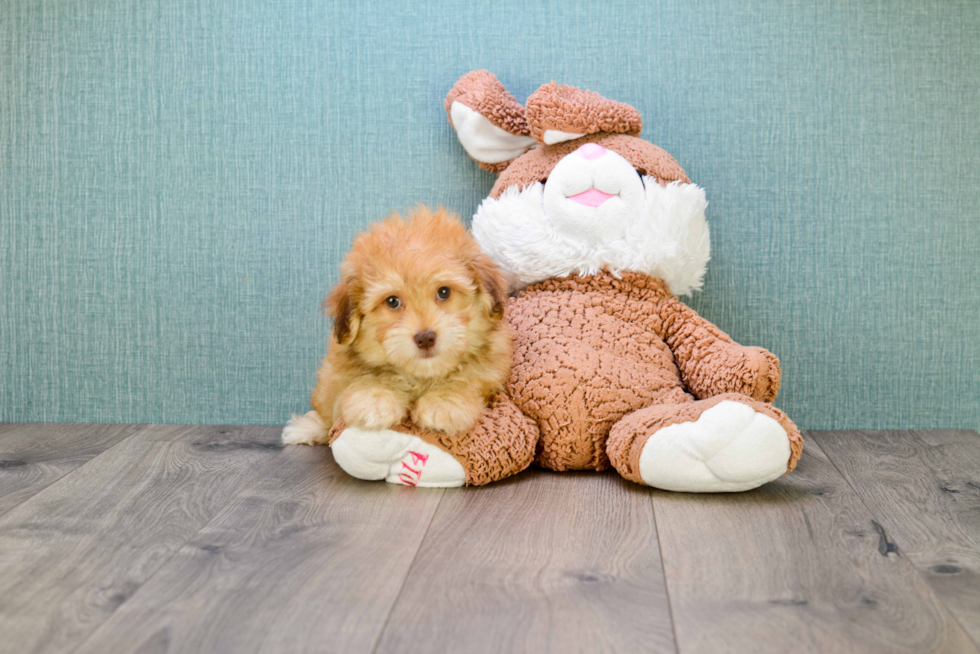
426	341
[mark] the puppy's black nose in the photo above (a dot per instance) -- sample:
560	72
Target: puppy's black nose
425	340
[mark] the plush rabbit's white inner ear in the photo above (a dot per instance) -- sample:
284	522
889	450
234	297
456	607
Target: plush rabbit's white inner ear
552	136
483	140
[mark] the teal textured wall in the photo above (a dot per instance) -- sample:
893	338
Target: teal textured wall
178	181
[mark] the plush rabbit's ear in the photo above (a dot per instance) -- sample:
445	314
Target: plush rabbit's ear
488	120
558	113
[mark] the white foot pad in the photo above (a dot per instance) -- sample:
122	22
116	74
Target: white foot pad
729	448
397	458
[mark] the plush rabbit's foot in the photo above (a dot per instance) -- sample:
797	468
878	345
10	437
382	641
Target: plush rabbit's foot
730	445
397	458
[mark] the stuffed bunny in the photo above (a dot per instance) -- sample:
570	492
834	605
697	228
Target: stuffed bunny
596	230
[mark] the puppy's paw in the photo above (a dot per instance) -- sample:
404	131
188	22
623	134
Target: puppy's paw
448	413
372	407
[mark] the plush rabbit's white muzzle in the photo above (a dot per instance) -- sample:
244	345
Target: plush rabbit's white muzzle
592	195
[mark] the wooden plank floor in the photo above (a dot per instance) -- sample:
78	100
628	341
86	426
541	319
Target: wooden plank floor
215	539
31	457
926	486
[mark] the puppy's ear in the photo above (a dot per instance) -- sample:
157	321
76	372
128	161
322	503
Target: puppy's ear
491	282
341	305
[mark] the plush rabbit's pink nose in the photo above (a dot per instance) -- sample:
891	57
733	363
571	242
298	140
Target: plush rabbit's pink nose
591	151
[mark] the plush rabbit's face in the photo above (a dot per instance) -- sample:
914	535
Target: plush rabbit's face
578	190
592	194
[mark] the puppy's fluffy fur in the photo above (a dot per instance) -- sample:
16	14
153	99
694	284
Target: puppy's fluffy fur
418	329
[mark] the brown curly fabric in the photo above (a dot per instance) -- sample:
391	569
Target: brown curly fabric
590	350
600	363
502	443
536	165
710	362
568	109
481	91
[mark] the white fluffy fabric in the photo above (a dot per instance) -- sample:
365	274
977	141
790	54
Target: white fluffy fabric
667	238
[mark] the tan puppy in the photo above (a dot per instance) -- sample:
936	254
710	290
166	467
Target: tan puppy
418	329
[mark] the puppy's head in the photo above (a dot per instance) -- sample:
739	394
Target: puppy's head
418	294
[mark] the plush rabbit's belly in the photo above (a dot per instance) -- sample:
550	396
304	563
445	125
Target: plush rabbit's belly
585	356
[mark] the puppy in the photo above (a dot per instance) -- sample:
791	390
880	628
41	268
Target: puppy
418	330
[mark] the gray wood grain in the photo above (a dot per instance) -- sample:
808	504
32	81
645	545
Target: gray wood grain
543	562
306	559
74	552
925	488
33	455
176	539
799	565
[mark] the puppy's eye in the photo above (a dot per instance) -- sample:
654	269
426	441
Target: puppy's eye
443	293
393	302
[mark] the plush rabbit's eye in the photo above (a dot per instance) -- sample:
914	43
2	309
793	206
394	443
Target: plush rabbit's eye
443	293
393	302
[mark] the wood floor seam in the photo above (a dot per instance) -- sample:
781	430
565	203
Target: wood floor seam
943	601
663	570
802	553
303	559
898	550
74	470
544	562
170	558
88	542
408	572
